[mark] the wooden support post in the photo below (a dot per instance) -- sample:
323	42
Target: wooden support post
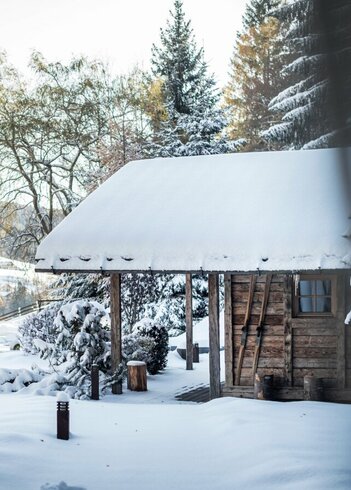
313	389
342	287
288	331
189	321
228	329
213	314
116	328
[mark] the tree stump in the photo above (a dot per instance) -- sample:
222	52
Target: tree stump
313	389
263	387
136	376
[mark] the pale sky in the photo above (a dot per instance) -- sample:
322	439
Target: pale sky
118	31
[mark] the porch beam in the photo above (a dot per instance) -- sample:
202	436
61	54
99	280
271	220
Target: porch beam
116	328
214	356
189	321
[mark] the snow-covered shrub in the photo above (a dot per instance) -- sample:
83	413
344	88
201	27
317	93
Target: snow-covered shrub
82	340
159	335
136	347
169	309
12	380
36	332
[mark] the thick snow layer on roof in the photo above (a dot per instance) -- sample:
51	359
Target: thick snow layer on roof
236	212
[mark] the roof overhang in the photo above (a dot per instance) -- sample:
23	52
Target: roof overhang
242	212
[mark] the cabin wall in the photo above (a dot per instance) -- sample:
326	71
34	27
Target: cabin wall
292	347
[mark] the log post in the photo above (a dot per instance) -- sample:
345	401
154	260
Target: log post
313	389
116	328
263	387
213	314
137	376
228	329
189	321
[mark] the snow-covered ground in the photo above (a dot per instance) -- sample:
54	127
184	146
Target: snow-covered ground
200	334
8	333
150	441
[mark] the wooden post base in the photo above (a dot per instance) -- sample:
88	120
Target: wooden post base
136	376
313	389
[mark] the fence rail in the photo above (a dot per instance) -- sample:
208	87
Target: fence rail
25	310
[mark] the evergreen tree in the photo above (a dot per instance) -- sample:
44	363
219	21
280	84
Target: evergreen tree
255	74
194	123
319	35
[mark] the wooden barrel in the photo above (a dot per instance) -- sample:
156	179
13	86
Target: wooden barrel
263	387
136	372
313	389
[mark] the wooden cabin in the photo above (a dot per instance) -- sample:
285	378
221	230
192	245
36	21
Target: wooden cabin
276	224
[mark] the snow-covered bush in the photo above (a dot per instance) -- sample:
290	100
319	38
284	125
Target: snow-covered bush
82	339
136	347
12	380
157	357
36	332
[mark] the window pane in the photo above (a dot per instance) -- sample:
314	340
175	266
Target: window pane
323	287
306	304
306	288
323	305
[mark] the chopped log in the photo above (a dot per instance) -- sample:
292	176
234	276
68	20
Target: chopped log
213	314
263	387
136	376
189	321
196	353
313	389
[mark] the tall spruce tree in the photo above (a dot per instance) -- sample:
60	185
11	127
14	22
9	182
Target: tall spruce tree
255	77
194	122
317	106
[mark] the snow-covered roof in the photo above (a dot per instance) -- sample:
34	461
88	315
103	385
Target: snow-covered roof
237	212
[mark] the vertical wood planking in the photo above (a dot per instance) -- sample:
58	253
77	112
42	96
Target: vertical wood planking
288	331
341	288
228	329
189	321
213	313
116	327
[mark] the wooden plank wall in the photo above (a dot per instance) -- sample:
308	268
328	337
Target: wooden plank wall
291	347
273	347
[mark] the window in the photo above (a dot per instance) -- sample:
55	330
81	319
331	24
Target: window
314	295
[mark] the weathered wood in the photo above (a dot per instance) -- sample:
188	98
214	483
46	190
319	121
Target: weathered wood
245	278
228	329
136	372
313	389
306	363
241	297
315	341
263	387
288	341
259	329
116	328
342	285
213	313
244	329
280	393
189	321
320	331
